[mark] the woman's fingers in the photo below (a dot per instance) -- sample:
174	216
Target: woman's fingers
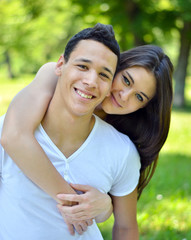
70	197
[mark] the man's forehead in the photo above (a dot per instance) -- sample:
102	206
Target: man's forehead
91	51
88	45
85	60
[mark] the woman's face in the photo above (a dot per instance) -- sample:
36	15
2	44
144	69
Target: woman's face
131	90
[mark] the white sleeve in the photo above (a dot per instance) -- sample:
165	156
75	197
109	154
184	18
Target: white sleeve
127	172
1	159
1	148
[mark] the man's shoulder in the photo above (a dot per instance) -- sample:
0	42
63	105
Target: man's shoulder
117	143
1	122
1	126
108	131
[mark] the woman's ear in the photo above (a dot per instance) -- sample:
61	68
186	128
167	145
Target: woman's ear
59	65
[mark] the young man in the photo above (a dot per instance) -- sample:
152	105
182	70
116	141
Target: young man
78	144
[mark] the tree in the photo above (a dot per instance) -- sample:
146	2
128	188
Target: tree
34	32
181	69
15	30
183	17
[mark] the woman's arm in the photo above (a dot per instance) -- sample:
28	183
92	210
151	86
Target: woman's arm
125	211
23	116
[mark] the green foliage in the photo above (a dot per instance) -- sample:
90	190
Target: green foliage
135	21
35	31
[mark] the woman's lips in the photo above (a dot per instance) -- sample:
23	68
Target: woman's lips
114	101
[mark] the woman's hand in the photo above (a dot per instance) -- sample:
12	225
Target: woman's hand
90	204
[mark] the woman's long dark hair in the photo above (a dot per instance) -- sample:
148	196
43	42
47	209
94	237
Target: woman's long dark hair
149	126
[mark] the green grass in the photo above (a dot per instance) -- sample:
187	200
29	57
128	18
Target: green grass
164	210
9	88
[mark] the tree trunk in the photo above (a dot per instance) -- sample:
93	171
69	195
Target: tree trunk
181	69
8	62
132	12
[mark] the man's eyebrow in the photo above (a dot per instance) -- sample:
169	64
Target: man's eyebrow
108	70
83	60
89	61
134	82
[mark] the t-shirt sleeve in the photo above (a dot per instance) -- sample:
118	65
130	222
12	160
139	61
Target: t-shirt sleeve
1	158
1	148
127	172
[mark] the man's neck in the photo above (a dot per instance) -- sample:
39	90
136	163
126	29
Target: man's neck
68	132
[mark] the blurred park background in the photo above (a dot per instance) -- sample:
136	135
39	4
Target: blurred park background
33	32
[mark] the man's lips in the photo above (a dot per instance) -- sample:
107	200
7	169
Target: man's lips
84	94
114	101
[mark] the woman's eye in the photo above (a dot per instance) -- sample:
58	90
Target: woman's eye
126	80
139	97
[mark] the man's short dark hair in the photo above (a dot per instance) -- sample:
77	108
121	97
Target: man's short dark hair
100	32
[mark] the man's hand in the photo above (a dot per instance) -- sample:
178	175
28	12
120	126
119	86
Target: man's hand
79	226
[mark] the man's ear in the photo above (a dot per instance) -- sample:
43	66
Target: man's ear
59	65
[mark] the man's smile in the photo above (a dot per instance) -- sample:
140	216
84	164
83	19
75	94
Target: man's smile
84	94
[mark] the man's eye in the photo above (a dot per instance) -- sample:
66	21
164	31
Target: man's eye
139	97
126	80
82	67
104	75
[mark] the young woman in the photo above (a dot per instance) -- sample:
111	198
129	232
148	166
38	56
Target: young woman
139	105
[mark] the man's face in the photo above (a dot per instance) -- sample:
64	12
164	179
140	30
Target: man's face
86	78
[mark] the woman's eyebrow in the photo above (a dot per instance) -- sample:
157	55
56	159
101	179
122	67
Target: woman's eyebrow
145	95
130	76
134	82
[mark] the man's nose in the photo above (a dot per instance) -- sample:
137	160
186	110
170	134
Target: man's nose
91	79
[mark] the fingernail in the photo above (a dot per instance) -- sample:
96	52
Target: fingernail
59	195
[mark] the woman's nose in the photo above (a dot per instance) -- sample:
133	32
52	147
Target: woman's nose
125	94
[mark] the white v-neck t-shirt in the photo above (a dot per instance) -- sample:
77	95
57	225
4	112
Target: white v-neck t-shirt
107	160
